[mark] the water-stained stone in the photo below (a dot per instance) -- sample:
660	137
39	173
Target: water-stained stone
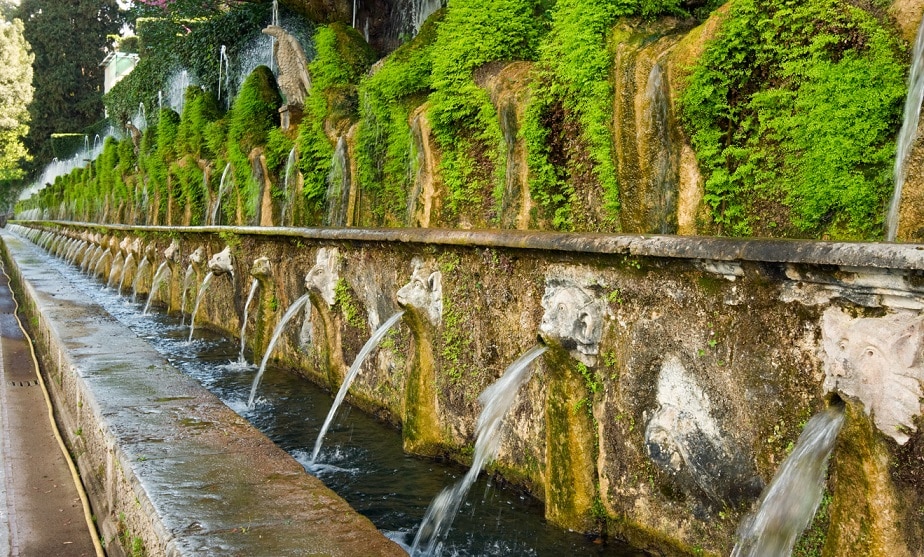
877	360
685	440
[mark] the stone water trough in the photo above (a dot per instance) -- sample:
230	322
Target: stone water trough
167	466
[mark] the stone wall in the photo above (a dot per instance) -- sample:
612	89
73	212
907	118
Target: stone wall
679	375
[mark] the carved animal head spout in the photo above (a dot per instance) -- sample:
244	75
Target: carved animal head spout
424	292
261	268
196	257
125	245
172	253
324	275
573	318
220	263
877	361
150	250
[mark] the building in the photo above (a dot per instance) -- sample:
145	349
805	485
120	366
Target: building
117	65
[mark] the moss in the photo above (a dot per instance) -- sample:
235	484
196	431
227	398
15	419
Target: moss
420	428
345	300
571	453
863	511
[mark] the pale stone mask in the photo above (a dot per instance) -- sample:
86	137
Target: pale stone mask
574	317
196	257
424	292
220	263
172	251
324	275
877	361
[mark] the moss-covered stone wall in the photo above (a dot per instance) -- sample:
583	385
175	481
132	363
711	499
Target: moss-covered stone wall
674	386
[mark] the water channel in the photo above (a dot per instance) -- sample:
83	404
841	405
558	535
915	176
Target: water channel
362	459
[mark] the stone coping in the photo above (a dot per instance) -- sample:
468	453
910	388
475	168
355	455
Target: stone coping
884	255
165	462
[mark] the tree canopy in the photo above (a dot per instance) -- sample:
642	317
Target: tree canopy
15	96
69	40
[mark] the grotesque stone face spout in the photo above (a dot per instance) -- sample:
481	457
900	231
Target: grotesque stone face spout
424	292
324	275
573	318
196	257
877	361
294	80
220	263
261	268
172	252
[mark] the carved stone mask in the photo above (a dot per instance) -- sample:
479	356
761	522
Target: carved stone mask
196	257
324	275
877	361
172	251
573	317
424	292
220	263
261	268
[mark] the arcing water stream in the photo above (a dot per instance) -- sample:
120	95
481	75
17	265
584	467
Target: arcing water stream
364	462
790	501
370	345
290	313
496	400
202	290
241	359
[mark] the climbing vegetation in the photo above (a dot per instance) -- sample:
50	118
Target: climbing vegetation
793	111
385	150
342	57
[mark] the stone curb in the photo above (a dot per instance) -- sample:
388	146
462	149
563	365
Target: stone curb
165	463
883	255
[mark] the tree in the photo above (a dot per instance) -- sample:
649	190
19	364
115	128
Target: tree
15	96
69	40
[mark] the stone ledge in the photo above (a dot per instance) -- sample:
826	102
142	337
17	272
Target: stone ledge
163	460
883	255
